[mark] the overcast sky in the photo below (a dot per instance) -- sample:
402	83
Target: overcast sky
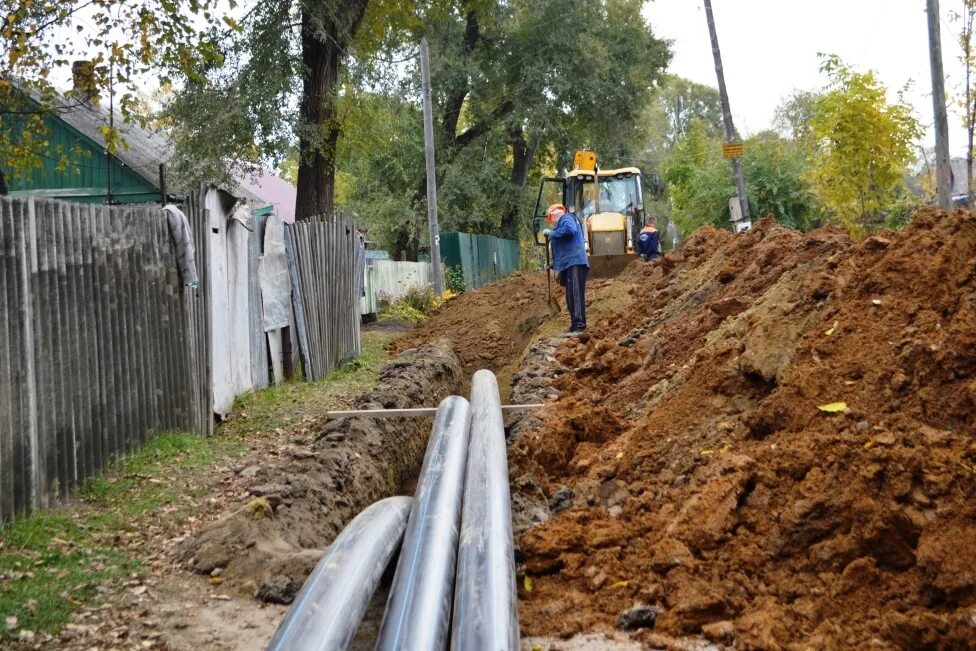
770	47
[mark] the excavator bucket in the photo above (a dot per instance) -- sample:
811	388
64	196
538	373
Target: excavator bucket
607	237
609	266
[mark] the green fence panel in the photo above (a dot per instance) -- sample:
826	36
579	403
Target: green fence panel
481	258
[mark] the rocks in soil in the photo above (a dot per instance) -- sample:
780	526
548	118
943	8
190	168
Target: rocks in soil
305	500
637	617
723	631
278	590
562	499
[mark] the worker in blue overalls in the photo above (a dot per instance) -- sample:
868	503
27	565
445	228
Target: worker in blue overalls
569	260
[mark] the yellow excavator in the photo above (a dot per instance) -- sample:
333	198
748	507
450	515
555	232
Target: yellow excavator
609	204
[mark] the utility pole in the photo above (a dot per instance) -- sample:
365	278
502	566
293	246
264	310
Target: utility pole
943	172
435	237
730	137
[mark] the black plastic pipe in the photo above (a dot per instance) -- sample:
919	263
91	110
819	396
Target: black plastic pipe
485	614
418	613
327	611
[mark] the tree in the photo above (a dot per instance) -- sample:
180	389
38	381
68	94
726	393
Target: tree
794	116
513	98
863	145
510	66
121	42
668	116
700	183
776	175
247	110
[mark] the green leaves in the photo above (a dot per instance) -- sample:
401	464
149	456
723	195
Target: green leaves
861	145
700	181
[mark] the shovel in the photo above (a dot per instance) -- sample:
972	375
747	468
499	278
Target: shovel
554	307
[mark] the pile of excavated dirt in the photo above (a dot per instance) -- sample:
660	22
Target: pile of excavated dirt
300	504
491	326
687	465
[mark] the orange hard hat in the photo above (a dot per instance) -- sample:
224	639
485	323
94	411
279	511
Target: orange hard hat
553	208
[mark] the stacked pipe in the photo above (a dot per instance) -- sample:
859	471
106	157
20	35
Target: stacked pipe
459	522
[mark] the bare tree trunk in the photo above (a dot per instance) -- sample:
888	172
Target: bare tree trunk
319	125
943	172
522	154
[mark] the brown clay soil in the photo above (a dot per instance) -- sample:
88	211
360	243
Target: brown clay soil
706	481
489	327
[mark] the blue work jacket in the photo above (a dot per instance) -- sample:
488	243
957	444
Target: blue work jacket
567	244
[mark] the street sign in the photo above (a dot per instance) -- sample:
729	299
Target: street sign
733	149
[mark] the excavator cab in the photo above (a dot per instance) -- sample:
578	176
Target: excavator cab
609	204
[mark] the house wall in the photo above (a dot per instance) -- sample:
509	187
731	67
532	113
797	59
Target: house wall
84	179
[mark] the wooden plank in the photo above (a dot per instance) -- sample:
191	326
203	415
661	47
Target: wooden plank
131	370
311	282
172	398
159	329
313	271
297	296
75	405
297	238
206	343
107	410
115	340
38	477
10	386
415	412
77	308
198	310
23	355
89	306
53	438
256	339
72	399
327	251
135	224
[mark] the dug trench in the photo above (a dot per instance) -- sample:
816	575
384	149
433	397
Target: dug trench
297	506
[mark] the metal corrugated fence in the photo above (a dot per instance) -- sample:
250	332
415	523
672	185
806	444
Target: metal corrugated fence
326	261
481	258
103	345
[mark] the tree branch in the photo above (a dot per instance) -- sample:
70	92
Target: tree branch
481	128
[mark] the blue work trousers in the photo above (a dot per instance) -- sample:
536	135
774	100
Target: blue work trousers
574	280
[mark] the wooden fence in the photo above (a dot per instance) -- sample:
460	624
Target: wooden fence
326	264
103	344
392	279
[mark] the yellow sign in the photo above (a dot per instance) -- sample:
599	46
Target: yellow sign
733	149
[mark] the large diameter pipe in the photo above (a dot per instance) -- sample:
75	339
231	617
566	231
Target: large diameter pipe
327	611
485	614
418	613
